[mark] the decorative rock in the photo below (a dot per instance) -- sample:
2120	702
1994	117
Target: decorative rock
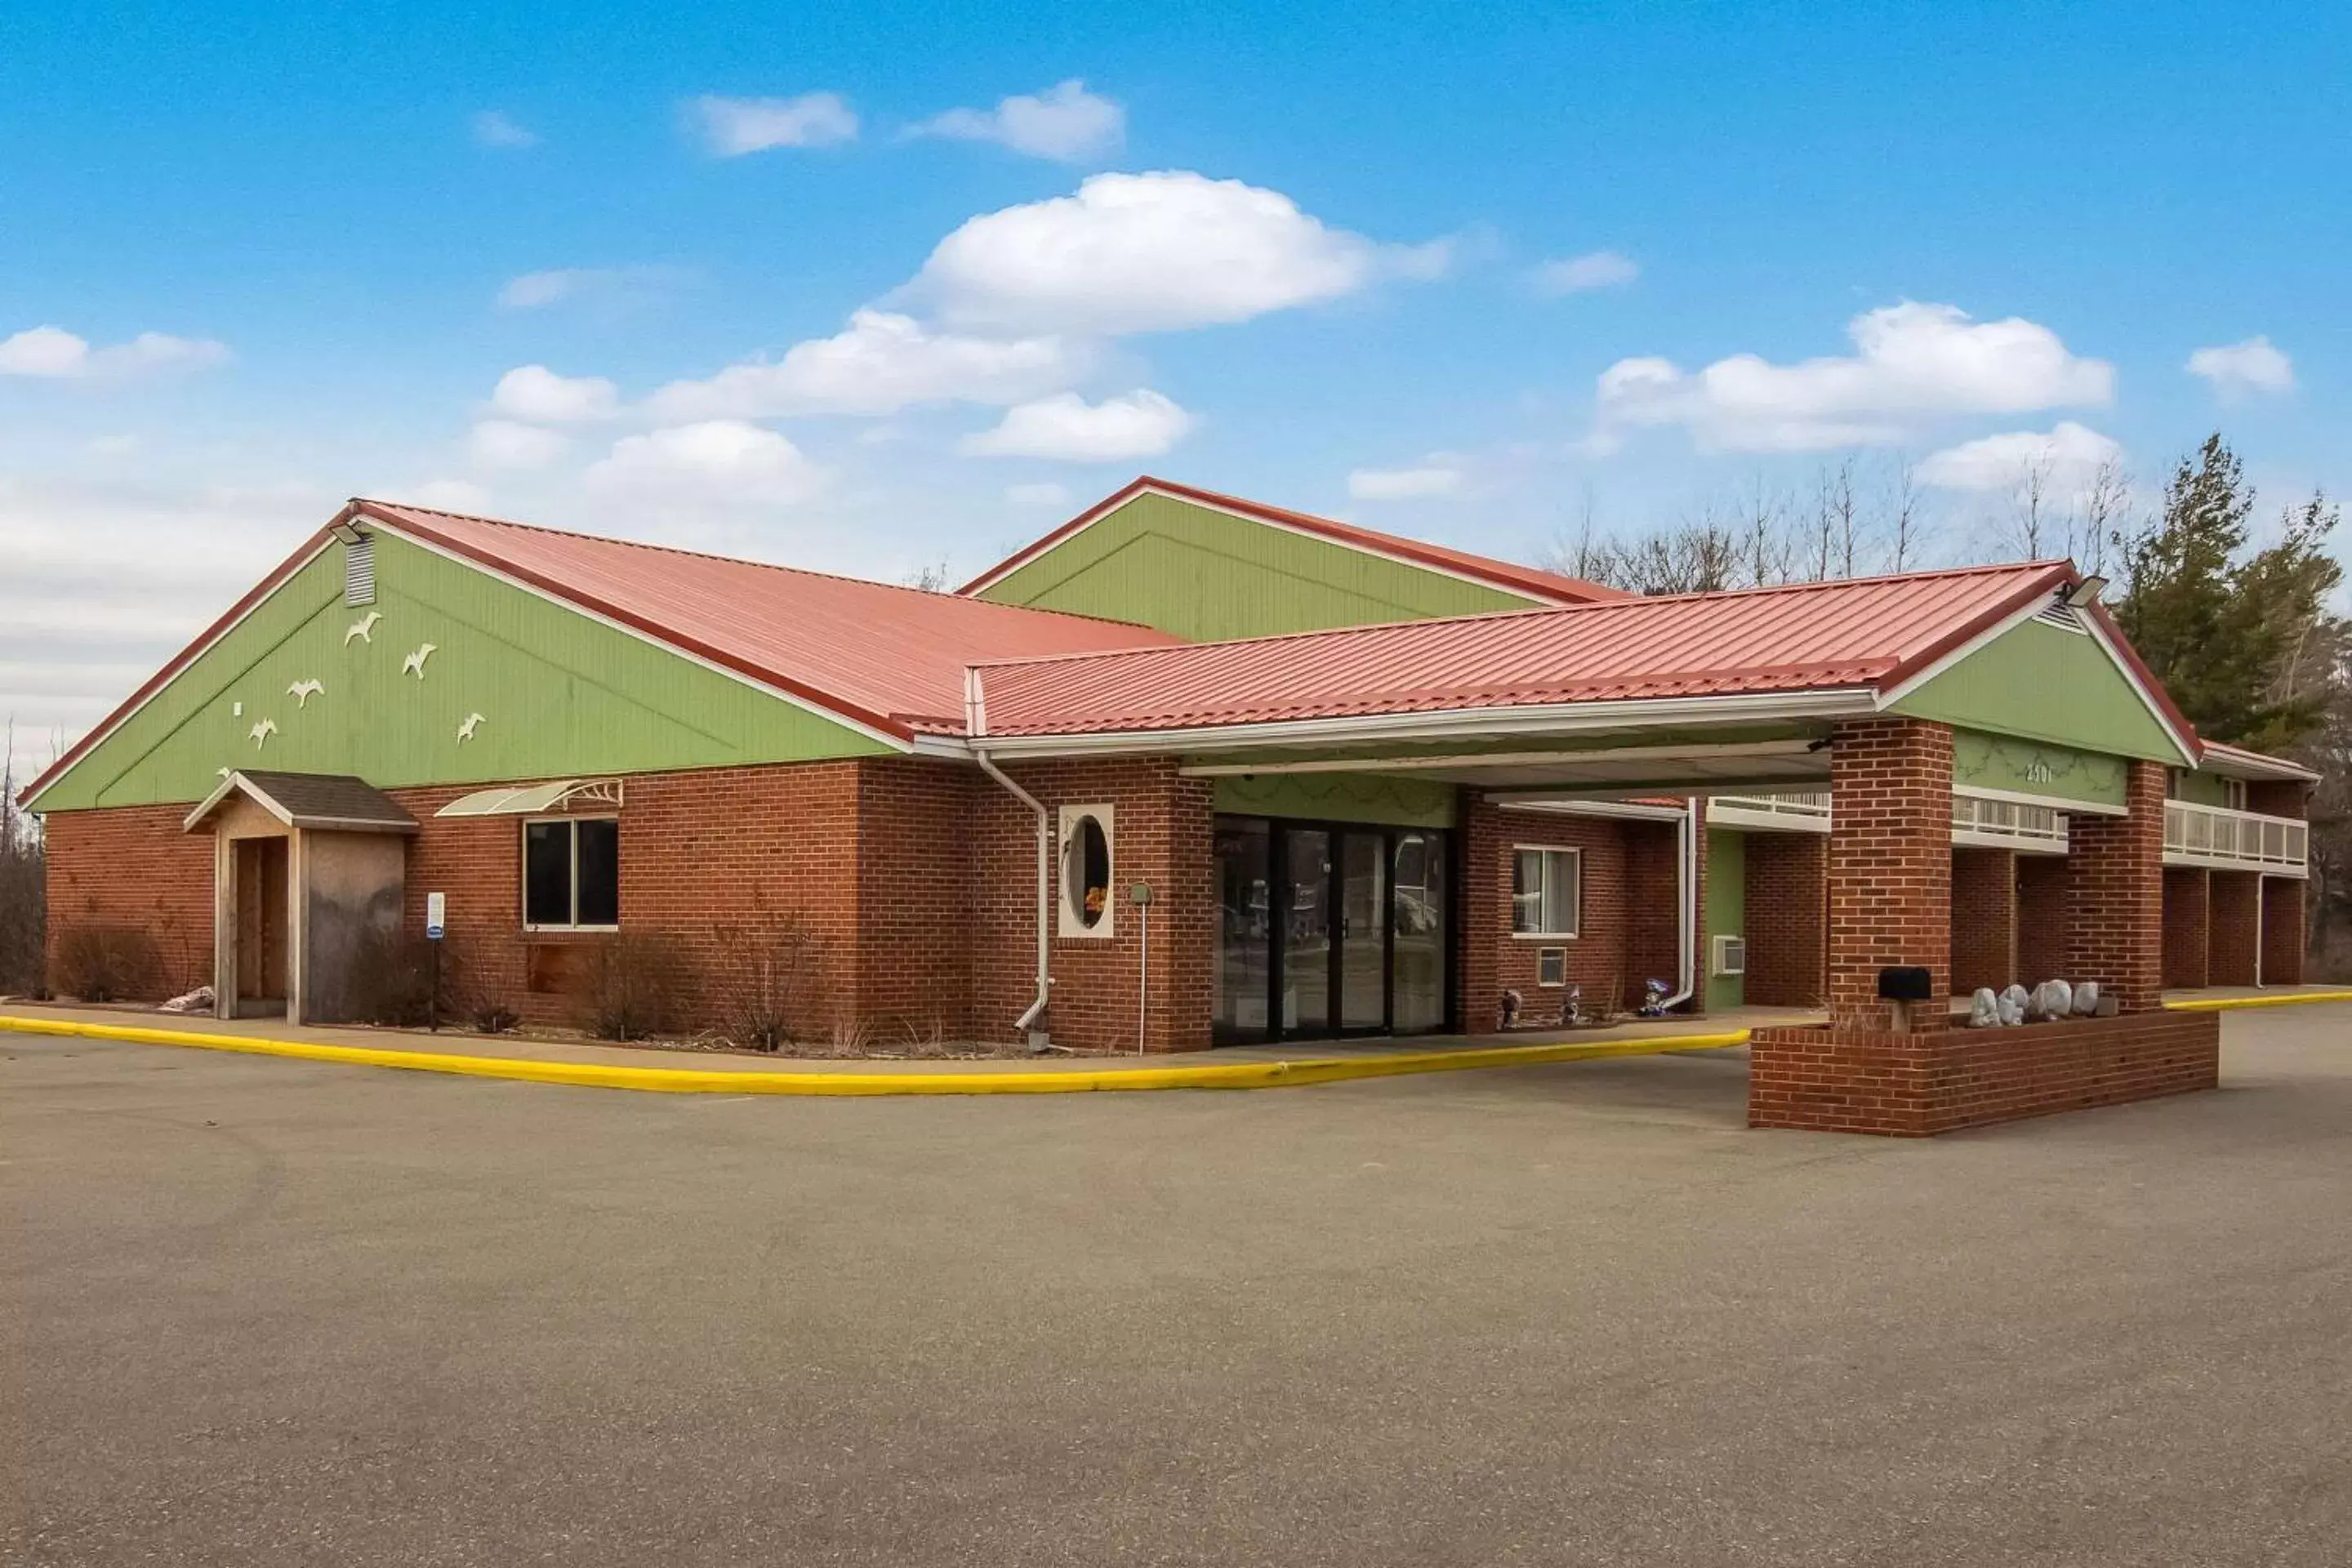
1984	1009
2086	999
2013	1006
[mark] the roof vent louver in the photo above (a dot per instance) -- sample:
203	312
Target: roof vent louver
2064	616
359	570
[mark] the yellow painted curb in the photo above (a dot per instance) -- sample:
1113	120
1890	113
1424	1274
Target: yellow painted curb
2229	1003
698	1080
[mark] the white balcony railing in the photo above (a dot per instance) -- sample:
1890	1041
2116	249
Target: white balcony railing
2008	824
2217	837
1800	811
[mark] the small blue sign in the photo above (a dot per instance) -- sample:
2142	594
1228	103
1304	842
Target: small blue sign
436	910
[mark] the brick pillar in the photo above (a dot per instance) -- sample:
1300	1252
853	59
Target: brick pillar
2283	940
2115	922
1484	920
2042	900
1890	865
1984	919
2187	906
2233	928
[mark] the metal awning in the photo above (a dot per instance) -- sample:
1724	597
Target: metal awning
508	800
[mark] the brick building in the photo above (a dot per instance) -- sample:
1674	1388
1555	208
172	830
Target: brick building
1187	769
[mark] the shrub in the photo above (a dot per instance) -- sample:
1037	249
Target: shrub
496	1018
636	986
389	980
106	962
771	989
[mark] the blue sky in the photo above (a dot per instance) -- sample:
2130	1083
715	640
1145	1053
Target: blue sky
870	287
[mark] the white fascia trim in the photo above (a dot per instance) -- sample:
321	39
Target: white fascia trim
2253	765
2010	623
1447	724
896	742
2055	801
1495	584
1749	821
92	742
1497	759
1613	809
1695	789
1973	838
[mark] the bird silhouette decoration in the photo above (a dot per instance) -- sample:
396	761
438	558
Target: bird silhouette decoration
304	690
414	663
364	628
465	730
262	732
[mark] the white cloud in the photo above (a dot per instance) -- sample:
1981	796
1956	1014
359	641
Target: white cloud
608	285
714	465
880	363
1154	252
731	127
1067	429
1432	479
1038	496
536	394
1575	274
1913	361
53	354
2235	370
503	444
494	129
2069	453
1066	122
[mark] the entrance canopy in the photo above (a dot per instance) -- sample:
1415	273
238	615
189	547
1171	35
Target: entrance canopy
508	800
334	803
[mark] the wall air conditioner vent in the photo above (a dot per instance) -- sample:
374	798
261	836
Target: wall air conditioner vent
1731	955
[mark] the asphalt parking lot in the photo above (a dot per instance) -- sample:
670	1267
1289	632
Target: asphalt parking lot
261	1311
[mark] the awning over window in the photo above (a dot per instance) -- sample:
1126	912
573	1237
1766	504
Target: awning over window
507	800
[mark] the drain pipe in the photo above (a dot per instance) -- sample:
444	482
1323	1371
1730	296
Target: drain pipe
975	726
1686	903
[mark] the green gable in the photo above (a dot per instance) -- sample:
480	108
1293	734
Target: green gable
2044	683
1204	574
558	693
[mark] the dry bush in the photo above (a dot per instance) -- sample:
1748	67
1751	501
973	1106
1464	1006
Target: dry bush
772	981
391	980
24	912
637	986
98	962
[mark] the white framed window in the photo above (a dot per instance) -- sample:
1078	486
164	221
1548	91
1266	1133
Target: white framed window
1551	966
572	873
2234	794
1546	891
1089	908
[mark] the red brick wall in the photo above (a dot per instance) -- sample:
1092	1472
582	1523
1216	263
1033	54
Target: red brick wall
1162	835
1651	949
1890	863
1484	904
2233	928
1596	959
1984	919
915	926
2115	931
2283	940
1787	919
2185	917
132	866
1913	1086
2042	904
2279	798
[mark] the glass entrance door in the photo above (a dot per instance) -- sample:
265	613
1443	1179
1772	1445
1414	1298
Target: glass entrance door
1329	929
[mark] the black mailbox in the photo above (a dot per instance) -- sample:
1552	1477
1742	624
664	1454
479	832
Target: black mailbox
1906	983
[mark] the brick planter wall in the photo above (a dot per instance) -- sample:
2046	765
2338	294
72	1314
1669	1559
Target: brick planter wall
1914	1086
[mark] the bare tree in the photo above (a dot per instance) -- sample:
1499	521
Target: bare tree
1902	515
2100	513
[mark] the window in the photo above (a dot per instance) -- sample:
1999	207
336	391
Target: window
1551	966
572	874
2234	794
1087	906
1546	891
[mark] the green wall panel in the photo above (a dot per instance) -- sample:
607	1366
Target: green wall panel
558	694
1204	574
2036	767
2202	788
1340	797
2046	684
1727	913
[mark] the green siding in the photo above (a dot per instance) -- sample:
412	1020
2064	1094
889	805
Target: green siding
1204	574
558	693
1727	913
2036	767
1340	797
2202	788
2045	684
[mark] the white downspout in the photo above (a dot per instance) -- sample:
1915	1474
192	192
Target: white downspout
976	725
1686	903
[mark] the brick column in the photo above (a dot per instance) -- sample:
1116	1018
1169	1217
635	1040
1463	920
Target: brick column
2187	906
1984	919
1890	865
2115	926
1484	906
2283	939
2233	927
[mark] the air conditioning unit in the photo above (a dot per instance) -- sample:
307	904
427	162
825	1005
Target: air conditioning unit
1551	966
1731	955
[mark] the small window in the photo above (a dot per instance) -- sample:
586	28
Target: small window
1087	907
572	874
1551	966
1546	891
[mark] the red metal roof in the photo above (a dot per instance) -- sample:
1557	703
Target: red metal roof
1552	587
1868	633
